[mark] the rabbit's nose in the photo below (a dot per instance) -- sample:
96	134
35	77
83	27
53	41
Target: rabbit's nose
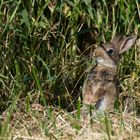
99	52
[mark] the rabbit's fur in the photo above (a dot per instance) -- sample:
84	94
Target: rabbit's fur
101	86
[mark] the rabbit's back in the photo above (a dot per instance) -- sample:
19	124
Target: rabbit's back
100	88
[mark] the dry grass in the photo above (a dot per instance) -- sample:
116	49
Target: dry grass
37	125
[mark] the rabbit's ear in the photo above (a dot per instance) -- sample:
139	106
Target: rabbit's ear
127	43
123	43
118	40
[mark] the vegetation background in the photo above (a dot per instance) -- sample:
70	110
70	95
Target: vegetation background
46	48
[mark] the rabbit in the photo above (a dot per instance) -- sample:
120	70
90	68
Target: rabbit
101	86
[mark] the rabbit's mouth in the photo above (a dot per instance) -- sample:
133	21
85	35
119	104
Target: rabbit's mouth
104	62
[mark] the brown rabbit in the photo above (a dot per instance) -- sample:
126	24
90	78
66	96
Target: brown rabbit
101	87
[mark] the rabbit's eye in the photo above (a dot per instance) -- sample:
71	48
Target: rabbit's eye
110	51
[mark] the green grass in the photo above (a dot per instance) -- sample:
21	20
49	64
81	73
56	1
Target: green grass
45	53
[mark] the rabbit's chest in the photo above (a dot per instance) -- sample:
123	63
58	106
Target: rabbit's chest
100	77
100	83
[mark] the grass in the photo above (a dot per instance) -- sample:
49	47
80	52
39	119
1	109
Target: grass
45	53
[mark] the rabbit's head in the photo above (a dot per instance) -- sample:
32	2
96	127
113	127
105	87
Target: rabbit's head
109	54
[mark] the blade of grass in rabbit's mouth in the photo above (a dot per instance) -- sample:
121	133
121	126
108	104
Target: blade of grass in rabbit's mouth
105	63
